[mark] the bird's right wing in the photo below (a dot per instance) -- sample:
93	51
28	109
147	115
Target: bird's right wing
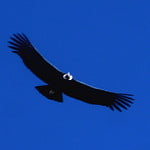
32	59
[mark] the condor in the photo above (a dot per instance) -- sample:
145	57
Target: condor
58	82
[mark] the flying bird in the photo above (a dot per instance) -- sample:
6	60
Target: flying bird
59	83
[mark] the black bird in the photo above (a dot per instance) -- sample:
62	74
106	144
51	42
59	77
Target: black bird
58	82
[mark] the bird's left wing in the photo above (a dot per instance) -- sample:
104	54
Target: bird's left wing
96	96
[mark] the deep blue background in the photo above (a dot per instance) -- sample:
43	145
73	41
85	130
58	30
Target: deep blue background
103	43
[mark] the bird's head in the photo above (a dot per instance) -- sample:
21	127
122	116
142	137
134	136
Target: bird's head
67	76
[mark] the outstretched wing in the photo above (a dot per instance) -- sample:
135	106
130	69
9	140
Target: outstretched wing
95	96
32	59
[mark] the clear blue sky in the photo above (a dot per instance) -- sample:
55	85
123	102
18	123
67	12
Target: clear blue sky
103	43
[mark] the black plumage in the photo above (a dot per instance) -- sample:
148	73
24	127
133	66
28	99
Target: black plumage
58	82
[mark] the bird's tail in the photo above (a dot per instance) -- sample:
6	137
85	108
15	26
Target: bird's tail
49	93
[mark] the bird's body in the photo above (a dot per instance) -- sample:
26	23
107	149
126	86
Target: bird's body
59	82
